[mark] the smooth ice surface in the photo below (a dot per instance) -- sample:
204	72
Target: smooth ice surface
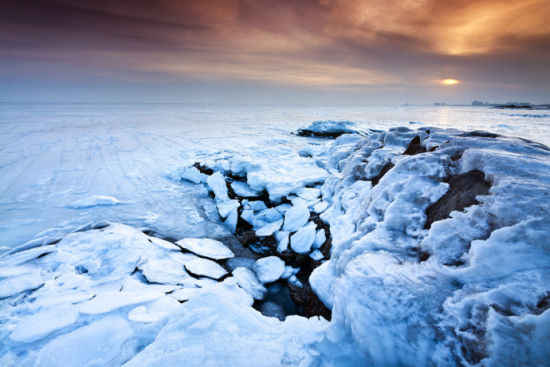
269	269
206	247
205	267
41	324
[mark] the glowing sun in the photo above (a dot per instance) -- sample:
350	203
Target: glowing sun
449	81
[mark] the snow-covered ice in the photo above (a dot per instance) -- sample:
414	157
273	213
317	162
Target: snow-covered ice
206	247
206	268
463	287
269	269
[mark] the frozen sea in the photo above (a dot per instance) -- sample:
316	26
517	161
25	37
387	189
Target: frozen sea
65	165
408	240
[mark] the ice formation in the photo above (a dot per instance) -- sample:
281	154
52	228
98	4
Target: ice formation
429	246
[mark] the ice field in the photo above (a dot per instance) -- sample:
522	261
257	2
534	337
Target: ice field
424	231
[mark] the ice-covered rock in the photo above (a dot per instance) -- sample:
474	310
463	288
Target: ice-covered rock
269	269
206	268
295	218
317	255
327	129
303	239
206	247
246	279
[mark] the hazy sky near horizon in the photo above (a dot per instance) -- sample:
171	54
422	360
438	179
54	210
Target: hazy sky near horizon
323	51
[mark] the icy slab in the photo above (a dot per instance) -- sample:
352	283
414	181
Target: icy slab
217	185
246	279
226	207
206	268
231	220
269	228
206	247
97	344
320	207
43	323
95	200
242	189
192	174
257	205
269	269
295	218
163	270
303	239
164	244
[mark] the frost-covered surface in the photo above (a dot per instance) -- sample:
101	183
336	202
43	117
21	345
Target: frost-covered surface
474	288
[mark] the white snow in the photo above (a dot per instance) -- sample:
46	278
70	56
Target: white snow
41	324
296	217
246	279
303	239
205	267
269	269
206	247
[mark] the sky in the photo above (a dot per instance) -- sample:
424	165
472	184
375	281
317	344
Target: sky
353	52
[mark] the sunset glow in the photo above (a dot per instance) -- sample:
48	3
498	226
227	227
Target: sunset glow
450	81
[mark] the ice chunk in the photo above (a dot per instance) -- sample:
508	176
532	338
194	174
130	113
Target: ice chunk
269	228
43	323
316	255
226	207
257	205
309	193
320	238
192	174
232	219
282	240
302	240
97	344
205	267
295	218
242	189
246	279
248	215
163	270
217	184
184	294
320	207
206	247
269	269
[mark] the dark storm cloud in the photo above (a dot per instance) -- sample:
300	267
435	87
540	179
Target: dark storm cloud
322	45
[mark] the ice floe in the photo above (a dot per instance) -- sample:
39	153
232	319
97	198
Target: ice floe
206	268
206	247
